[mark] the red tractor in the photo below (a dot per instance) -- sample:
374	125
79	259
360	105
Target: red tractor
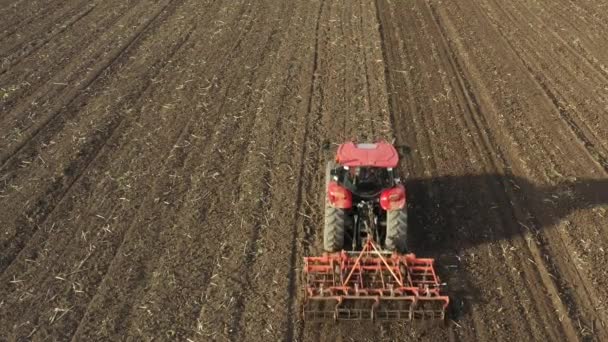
364	273
364	197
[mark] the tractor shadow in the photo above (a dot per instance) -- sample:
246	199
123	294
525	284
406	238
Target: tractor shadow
450	216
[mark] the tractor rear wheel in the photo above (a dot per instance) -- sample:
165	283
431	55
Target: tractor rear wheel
335	219
396	230
335	227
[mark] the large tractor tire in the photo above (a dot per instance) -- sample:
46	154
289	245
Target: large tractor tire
336	219
335	228
396	230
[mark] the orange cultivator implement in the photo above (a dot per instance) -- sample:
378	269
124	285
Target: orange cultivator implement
372	284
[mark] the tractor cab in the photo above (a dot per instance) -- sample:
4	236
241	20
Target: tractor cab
366	169
365	182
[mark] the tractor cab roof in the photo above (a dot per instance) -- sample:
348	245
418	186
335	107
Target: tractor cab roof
380	154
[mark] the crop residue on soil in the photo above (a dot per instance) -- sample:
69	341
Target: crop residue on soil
161	163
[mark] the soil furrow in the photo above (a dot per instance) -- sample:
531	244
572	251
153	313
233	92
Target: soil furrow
161	163
45	75
308	237
186	132
19	53
560	91
50	27
58	191
88	81
543	252
28	17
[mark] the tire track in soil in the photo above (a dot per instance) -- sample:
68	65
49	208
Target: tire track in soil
250	248
57	191
210	268
556	270
217	189
264	205
471	106
541	84
260	258
236	45
76	169
184	131
299	195
16	165
162	68
410	133
552	95
128	313
44	28
41	14
405	135
19	53
388	83
15	113
565	296
179	44
44	84
588	294
357	112
578	52
588	13
235	330
490	147
73	95
552	156
308	191
382	113
42	77
249	259
8	7
208	147
232	127
301	216
217	155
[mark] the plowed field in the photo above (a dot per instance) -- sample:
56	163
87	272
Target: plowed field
162	162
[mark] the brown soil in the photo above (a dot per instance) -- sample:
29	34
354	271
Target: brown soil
161	162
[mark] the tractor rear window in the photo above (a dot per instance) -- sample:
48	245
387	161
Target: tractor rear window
366	181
